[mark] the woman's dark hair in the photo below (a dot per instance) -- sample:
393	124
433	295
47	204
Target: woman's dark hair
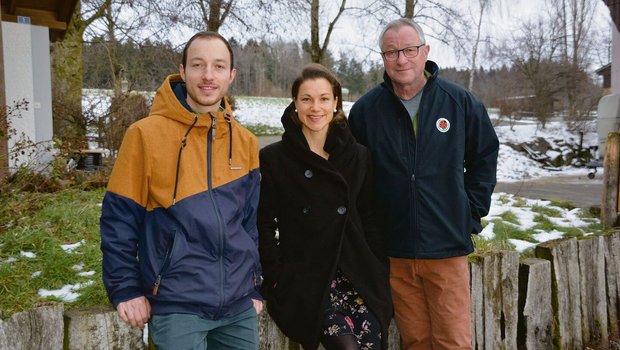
315	71
208	35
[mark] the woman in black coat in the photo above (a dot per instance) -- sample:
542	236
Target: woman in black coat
326	274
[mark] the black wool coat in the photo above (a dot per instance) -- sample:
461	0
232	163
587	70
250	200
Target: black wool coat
317	215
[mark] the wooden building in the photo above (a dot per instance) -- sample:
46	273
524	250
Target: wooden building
28	27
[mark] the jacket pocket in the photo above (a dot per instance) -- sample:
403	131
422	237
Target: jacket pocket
165	263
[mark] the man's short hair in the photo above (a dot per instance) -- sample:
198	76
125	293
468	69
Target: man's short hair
208	35
398	23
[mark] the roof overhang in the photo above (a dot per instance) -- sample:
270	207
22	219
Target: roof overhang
614	10
54	14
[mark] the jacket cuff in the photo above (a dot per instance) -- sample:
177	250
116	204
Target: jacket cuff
124	295
255	294
477	227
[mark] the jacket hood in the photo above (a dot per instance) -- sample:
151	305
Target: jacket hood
167	104
431	67
339	136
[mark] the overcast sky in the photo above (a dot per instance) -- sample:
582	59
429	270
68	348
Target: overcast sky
360	40
500	22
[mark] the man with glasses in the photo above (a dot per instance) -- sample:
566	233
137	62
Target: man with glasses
435	158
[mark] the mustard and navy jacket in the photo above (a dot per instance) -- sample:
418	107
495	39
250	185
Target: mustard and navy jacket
178	221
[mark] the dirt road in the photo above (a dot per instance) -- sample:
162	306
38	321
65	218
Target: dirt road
578	190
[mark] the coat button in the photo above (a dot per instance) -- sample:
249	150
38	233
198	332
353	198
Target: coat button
308	174
306	210
342	210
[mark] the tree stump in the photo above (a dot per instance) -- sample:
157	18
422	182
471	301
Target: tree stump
593	296
494	294
612	272
565	291
535	312
99	328
270	336
611	174
40	328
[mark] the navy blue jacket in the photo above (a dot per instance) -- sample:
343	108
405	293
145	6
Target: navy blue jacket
433	187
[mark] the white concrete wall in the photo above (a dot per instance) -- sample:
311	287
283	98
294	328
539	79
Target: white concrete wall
615	59
608	110
27	77
41	64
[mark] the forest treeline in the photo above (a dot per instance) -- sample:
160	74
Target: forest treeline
268	68
263	68
541	68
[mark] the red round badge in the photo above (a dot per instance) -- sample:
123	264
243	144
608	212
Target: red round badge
442	124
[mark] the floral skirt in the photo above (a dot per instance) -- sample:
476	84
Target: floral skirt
347	314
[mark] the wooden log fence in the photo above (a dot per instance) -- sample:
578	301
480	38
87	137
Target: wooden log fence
535	329
610	205
567	297
565	291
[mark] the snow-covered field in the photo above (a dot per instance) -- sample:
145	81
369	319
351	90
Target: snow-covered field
517	166
513	165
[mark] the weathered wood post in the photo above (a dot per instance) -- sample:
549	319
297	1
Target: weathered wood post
612	273
593	296
39	328
535	313
270	336
477	302
99	328
611	173
494	292
565	291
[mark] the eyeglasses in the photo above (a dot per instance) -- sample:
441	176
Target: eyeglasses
409	52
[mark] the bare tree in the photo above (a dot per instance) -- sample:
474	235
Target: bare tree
393	7
236	16
318	49
436	17
467	34
483	5
532	51
67	77
121	22
575	19
430	12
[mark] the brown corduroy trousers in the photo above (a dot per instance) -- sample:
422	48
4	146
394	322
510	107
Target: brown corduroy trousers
432	303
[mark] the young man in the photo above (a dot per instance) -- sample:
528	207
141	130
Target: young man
178	224
435	155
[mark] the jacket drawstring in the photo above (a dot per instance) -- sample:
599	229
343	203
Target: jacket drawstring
183	144
230	143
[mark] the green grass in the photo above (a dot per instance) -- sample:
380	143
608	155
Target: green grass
562	204
539	218
40	223
547	211
264	130
510	217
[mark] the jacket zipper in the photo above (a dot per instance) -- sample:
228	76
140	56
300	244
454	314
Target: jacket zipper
210	139
414	161
164	266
